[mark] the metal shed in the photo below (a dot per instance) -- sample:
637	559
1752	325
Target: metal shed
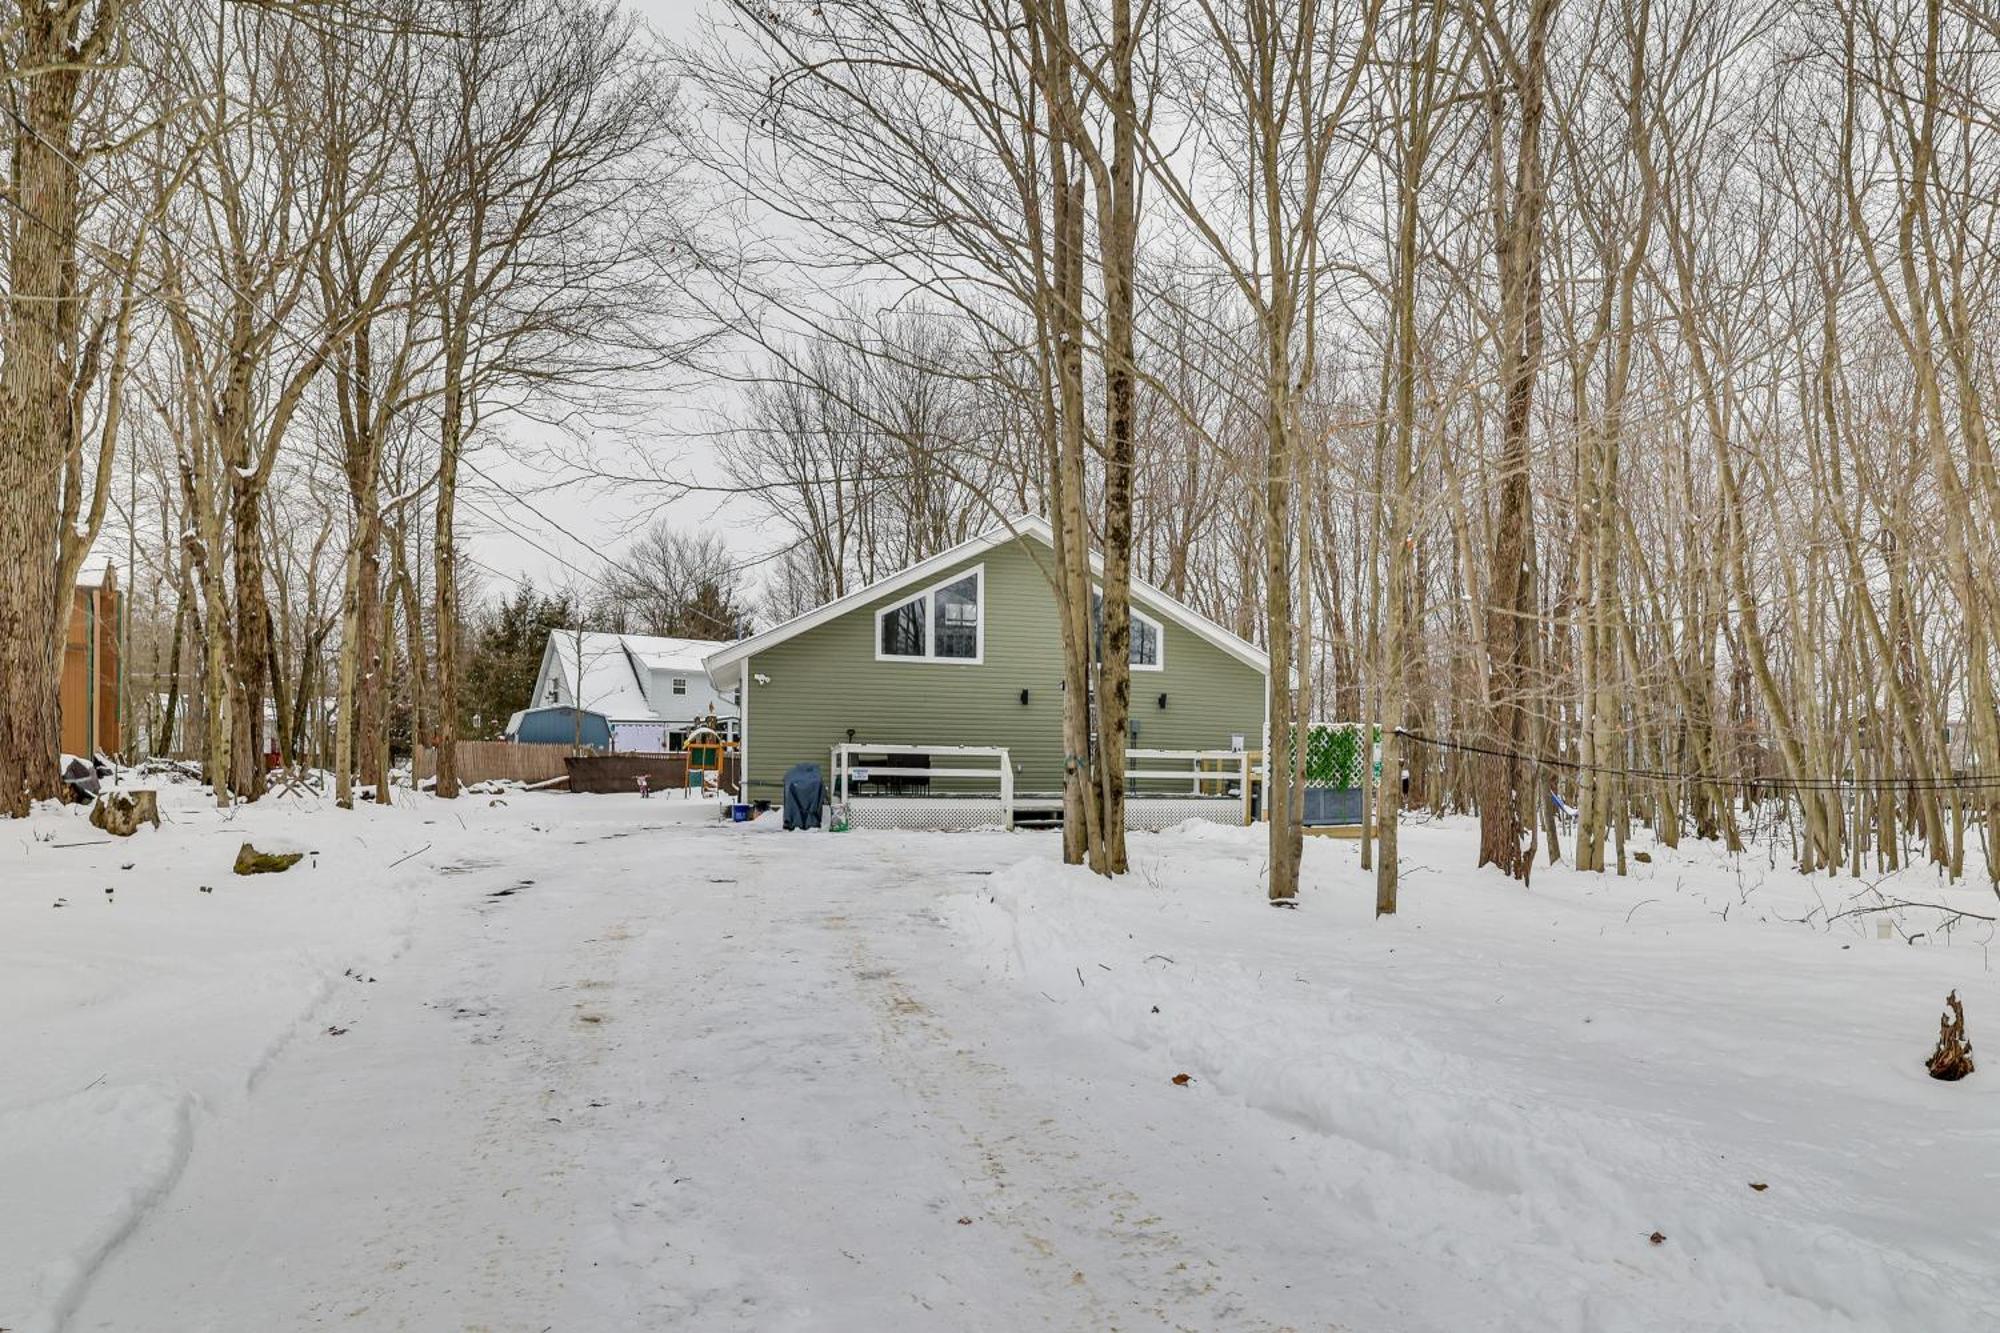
558	725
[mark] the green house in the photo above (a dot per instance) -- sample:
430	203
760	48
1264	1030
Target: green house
965	650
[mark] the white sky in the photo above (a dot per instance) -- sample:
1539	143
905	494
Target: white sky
521	525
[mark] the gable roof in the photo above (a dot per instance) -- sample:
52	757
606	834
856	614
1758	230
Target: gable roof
1020	526
597	673
669	654
97	571
613	666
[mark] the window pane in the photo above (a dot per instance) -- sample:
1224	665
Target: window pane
1145	643
903	630
1145	637
958	618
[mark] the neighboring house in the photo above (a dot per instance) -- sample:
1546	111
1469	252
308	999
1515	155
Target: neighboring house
965	649
90	675
650	691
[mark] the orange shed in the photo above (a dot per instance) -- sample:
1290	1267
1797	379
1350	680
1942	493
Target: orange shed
90	676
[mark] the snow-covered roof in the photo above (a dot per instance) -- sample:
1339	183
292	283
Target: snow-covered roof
666	654
97	570
598	674
612	679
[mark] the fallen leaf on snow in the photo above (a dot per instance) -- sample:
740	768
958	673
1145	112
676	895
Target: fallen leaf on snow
1657	1238
1759	1186
1182	1080
965	1221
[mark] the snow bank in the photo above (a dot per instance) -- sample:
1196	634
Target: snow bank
77	1173
146	987
1530	1084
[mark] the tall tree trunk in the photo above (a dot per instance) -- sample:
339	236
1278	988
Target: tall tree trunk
1510	589
36	422
348	684
251	667
284	739
1118	256
1082	811
444	555
163	735
413	632
378	650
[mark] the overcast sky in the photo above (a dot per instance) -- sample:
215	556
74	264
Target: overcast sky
520	525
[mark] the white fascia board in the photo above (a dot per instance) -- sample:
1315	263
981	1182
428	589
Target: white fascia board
720	665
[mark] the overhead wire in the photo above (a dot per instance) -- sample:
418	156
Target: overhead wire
1775	782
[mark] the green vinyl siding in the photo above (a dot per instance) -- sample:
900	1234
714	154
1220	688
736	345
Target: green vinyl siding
826	681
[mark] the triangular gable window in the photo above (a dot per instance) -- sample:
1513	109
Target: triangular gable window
946	622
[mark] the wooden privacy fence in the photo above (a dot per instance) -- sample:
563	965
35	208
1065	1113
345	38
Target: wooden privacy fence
619	773
486	761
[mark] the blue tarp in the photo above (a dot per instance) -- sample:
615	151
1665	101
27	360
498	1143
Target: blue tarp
557	725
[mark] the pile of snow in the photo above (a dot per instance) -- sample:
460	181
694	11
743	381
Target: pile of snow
145	986
1532	1084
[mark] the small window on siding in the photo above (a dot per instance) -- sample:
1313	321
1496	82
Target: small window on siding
943	623
1145	642
680	685
1146	635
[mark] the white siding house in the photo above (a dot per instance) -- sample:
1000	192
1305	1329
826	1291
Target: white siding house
651	690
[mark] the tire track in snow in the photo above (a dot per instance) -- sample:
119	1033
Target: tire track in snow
1029	1159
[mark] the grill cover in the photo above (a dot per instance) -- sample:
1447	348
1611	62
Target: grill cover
805	792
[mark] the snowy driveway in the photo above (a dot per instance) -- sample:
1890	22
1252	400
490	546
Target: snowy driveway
621	1069
699	1077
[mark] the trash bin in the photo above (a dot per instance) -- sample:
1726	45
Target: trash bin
805	792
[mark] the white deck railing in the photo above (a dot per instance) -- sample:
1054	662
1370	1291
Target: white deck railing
850	766
1204	779
1208	774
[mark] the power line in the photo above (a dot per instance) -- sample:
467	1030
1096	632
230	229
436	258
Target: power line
1777	782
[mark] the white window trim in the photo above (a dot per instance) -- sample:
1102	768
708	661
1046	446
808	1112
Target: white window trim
929	658
1159	633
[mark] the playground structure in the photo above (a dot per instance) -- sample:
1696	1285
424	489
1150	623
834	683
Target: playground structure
708	756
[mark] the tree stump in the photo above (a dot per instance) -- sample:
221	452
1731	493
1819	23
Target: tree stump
1952	1060
120	813
250	861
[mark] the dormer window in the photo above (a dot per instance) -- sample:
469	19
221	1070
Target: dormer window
944	623
680	685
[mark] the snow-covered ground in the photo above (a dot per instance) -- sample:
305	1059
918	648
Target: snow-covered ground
592	1063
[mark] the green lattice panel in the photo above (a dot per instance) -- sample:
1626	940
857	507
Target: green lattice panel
1335	754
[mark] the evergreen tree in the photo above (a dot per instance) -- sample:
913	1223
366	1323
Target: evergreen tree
506	656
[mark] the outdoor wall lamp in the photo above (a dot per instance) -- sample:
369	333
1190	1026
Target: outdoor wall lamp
1163	701
1024	698
761	678
850	735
